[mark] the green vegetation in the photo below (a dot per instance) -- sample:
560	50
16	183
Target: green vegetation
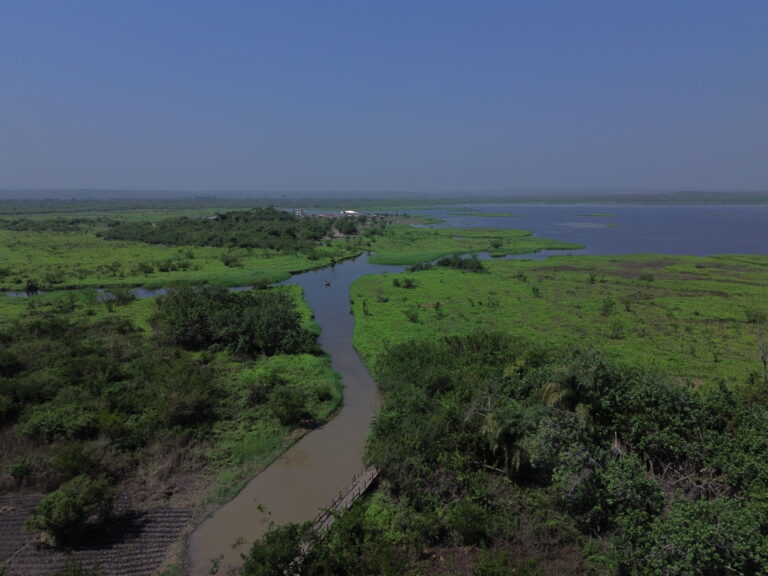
407	245
248	324
89	401
697	319
63	513
530	451
579	415
231	249
498	455
257	228
57	261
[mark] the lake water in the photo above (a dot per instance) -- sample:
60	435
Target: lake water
633	229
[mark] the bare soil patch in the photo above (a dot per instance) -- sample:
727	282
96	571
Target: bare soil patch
130	543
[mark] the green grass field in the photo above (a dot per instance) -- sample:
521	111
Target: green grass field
695	318
65	260
408	245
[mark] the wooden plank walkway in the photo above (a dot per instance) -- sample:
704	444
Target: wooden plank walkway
344	499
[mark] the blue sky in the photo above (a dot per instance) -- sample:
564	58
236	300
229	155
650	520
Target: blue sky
389	95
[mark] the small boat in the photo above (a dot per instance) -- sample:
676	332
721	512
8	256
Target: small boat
327	283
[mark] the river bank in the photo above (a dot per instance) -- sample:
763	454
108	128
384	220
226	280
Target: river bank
306	477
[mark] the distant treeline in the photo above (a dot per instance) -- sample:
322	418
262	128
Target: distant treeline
49	225
257	228
62	202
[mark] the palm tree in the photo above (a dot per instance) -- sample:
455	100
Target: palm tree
505	425
574	388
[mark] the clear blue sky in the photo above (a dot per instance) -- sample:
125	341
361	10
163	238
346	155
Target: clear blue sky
388	95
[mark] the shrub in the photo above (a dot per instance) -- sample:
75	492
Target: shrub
231	260
10	365
69	416
412	314
288	404
706	537
64	513
471	264
120	295
470	521
73	460
608	307
31	286
247	323
22	469
276	553
260	390
144	268
755	316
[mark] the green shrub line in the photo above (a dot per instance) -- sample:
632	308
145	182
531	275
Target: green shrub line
106	385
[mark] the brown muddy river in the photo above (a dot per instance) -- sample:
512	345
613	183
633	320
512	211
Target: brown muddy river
307	477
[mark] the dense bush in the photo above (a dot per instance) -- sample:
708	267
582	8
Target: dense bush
705	537
258	228
64	513
457	262
247	323
71	415
672	478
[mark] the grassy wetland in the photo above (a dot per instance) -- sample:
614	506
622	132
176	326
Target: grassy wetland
574	415
578	415
698	319
55	254
117	410
410	245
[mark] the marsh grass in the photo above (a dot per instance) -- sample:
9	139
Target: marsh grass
691	322
80	259
254	437
407	245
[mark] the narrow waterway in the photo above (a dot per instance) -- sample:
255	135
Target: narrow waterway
304	479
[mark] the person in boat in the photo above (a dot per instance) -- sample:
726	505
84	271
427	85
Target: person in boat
327	283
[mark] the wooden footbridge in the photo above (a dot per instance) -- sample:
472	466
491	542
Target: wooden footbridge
354	489
343	500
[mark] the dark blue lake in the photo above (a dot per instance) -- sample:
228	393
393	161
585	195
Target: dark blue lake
629	229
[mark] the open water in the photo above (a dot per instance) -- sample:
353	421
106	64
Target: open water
631	229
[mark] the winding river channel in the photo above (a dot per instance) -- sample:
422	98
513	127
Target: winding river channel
306	477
